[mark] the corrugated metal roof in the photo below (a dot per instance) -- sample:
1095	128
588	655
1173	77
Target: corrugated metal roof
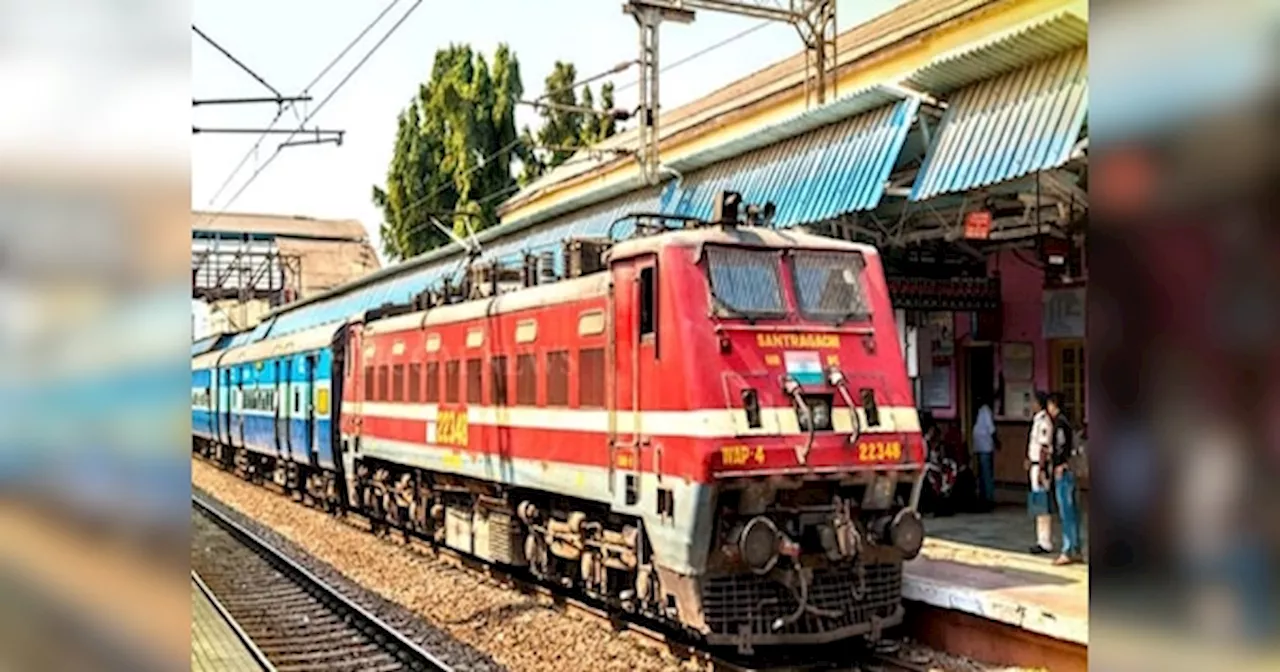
906	20
833	170
1007	127
1002	52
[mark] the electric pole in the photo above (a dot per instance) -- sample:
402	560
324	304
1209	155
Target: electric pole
815	20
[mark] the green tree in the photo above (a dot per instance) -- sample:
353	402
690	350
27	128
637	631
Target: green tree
564	129
456	146
447	156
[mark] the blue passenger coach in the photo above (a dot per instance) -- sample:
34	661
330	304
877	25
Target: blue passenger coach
273	398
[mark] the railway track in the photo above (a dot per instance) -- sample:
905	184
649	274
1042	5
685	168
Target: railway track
294	619
834	659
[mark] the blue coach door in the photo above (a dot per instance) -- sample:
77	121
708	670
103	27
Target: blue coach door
224	407
283	399
309	400
240	409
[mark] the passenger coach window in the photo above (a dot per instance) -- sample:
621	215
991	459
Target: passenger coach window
829	285
451	382
648	302
558	378
527	380
498	381
433	382
745	282
475	378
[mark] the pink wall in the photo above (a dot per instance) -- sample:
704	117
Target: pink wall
1022	289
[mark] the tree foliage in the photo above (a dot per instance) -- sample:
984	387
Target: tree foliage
457	148
565	130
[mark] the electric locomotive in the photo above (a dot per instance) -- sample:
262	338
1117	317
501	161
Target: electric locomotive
709	423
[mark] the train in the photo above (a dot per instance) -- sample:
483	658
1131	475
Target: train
705	423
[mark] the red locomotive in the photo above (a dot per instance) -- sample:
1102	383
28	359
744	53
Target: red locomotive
715	428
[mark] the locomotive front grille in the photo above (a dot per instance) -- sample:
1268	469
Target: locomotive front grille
732	602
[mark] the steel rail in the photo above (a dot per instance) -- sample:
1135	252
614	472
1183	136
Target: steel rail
413	655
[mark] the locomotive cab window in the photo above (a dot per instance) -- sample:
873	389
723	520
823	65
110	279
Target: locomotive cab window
744	283
828	285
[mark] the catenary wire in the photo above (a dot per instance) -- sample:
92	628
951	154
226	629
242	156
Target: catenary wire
399	22
253	150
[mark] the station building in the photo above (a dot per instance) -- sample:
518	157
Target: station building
245	265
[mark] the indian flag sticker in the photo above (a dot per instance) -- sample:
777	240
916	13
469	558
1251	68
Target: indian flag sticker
805	367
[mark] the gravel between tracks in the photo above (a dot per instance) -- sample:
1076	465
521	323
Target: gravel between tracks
471	623
467	620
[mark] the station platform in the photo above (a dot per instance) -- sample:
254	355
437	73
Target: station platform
215	644
979	564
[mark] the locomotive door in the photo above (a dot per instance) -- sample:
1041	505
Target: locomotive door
635	354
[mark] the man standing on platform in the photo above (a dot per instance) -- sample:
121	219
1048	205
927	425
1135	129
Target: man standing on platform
1064	483
984	446
1039	449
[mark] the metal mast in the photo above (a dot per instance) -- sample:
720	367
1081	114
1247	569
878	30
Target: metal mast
815	20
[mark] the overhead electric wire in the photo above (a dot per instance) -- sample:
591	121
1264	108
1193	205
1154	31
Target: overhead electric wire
399	22
235	60
701	52
258	143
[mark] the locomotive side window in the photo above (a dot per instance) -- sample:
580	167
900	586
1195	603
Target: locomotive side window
498	381
383	383
433	382
475	374
558	378
415	382
451	381
368	383
744	283
527	380
397	382
648	302
591	378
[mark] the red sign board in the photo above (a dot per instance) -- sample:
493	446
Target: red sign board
977	225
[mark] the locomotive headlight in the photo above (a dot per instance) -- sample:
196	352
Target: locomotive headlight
906	533
759	543
816	410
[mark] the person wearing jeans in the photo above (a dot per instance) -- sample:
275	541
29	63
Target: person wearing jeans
1064	484
984	446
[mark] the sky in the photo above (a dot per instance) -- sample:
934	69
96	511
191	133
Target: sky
289	42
